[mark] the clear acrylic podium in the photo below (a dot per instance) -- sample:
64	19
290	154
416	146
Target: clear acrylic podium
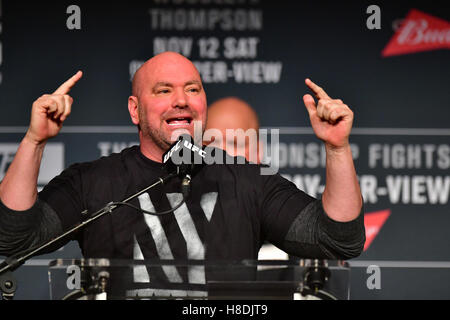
101	279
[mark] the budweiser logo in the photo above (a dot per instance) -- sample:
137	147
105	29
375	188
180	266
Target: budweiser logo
419	32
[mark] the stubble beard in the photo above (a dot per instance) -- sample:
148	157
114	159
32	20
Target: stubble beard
153	134
159	136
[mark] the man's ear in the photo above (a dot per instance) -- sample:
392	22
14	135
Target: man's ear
133	109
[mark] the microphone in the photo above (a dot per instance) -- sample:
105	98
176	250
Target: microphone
184	158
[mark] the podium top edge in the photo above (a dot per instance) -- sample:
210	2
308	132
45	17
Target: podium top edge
103	262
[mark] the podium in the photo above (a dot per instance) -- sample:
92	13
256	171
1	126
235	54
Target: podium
102	279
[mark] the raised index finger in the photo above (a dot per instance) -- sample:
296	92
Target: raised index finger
318	91
66	86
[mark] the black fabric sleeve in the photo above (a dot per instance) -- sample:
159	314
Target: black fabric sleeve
22	230
315	235
281	202
64	194
297	223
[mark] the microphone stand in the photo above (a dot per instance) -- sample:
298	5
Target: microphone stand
8	284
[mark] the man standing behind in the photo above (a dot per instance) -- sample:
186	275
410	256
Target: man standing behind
241	121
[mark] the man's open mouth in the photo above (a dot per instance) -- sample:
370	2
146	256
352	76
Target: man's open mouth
179	121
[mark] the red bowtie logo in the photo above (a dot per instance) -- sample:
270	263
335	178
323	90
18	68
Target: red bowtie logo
419	32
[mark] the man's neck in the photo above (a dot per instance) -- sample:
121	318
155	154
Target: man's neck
150	150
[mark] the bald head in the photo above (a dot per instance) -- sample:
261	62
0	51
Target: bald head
162	63
234	113
167	99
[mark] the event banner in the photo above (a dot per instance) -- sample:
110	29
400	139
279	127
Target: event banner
387	61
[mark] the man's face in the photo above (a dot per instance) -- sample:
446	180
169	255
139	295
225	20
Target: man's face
171	98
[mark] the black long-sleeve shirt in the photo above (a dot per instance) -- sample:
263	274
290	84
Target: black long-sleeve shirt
231	211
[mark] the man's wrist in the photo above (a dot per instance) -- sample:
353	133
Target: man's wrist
336	150
29	139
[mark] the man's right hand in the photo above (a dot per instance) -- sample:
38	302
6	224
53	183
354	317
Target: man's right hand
50	111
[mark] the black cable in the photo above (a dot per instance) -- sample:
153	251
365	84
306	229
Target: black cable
149	212
185	189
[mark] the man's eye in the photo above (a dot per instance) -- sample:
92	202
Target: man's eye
194	90
162	91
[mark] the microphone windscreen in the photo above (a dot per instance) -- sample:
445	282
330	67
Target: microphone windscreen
183	155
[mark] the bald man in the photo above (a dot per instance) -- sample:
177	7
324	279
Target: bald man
234	114
231	211
167	96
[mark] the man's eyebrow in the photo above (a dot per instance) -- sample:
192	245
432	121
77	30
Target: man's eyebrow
162	84
193	82
168	84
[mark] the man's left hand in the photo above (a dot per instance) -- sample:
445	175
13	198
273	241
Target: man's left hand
331	119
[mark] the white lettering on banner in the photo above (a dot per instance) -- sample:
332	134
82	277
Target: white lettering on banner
219	72
212	48
401	156
212	72
52	162
310	155
208	48
257	72
368	185
438	189
195	247
240	48
415	189
417	32
206	20
175	44
240	72
418	189
108	147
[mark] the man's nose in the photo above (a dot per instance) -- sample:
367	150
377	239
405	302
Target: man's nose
180	99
